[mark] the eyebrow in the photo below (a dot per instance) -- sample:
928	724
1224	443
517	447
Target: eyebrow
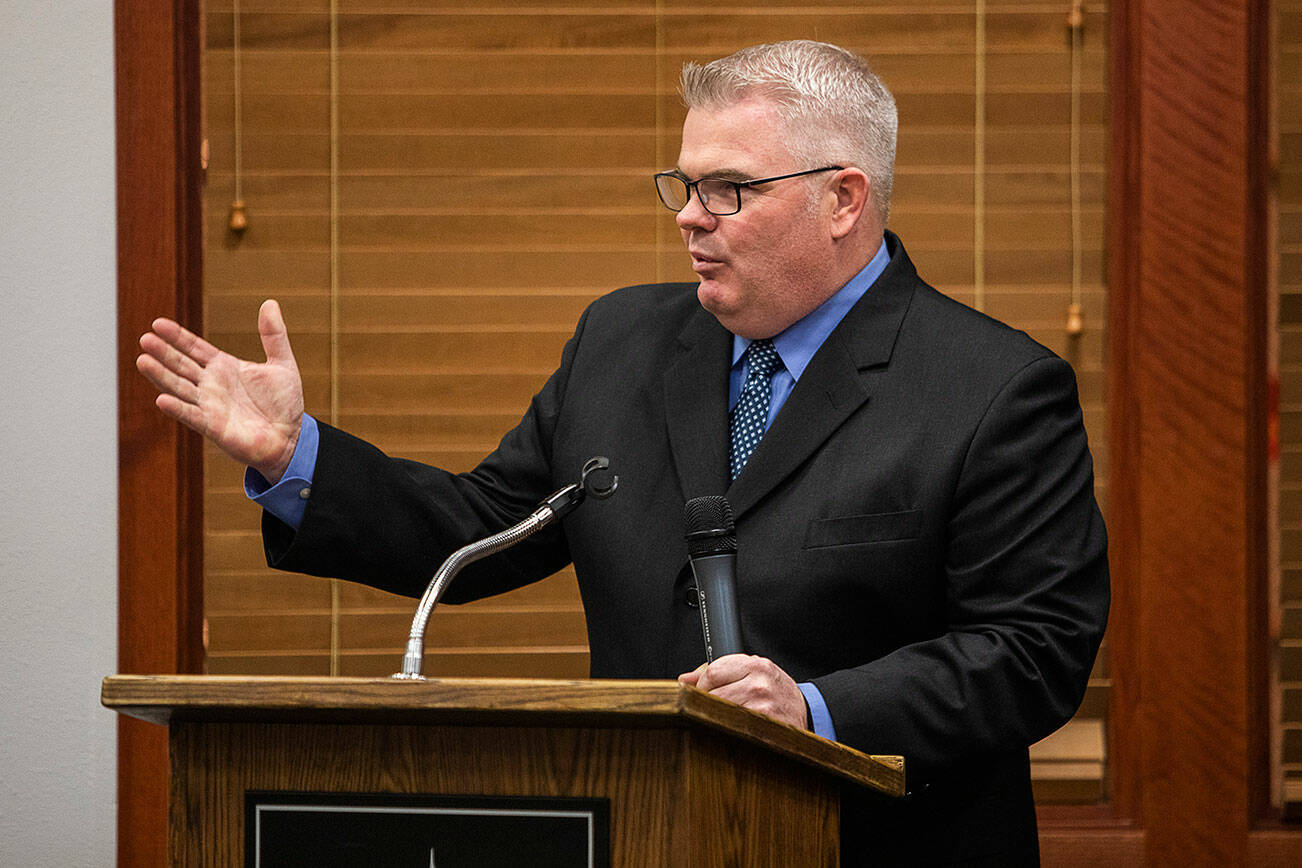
722	174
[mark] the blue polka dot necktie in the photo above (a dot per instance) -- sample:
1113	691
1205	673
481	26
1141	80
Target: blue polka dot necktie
752	411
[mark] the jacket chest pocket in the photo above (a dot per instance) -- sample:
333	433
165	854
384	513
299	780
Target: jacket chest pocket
860	529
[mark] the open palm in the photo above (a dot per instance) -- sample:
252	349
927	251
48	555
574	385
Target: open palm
250	410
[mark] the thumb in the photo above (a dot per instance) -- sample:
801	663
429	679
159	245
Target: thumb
275	339
691	678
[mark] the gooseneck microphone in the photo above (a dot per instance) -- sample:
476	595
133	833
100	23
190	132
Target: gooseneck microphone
598	481
712	547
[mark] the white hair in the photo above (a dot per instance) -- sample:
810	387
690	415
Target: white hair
835	109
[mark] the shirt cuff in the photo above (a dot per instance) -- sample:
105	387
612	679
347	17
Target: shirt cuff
287	499
818	712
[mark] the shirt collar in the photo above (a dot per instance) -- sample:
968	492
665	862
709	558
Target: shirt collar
797	344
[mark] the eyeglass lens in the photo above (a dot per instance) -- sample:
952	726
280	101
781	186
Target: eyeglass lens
718	197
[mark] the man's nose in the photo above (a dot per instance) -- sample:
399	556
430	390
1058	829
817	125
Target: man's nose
694	215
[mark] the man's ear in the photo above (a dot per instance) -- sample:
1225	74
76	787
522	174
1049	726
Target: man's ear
851	189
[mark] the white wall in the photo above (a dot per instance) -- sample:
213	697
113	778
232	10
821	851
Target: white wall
58	433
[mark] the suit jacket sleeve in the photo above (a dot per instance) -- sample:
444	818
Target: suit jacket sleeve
391	522
1025	593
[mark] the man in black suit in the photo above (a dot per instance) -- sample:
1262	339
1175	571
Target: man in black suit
922	565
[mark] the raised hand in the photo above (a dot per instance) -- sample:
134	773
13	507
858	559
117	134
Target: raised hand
251	410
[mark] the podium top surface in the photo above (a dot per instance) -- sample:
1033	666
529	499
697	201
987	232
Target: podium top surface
165	699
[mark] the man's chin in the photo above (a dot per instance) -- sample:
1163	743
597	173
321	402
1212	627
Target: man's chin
715	298
728	315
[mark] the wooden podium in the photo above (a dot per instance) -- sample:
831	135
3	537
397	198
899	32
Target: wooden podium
680	778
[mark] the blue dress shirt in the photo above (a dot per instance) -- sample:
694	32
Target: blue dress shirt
796	346
287	499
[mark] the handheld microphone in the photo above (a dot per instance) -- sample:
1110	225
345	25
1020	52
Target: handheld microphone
712	547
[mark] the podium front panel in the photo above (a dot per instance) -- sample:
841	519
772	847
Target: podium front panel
676	796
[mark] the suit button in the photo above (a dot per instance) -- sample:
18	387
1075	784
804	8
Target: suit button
692	599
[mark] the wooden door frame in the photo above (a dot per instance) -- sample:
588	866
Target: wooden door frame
1187	269
160	466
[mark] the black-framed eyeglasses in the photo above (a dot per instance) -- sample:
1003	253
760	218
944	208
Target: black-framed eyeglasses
718	196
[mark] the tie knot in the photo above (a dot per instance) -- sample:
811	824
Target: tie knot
764	358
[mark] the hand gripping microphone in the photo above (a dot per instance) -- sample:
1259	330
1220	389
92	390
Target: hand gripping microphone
712	547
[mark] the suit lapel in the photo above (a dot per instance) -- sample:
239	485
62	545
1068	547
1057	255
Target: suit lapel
833	386
696	406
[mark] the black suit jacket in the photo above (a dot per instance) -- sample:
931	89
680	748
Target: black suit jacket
917	534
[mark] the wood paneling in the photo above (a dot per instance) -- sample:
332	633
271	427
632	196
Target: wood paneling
647	795
1188	382
1288	280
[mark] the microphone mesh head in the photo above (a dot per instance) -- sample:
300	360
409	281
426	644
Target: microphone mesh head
710	529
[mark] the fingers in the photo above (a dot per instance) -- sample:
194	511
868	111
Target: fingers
166	381
187	414
169	357
185	340
727	670
756	683
692	678
275	338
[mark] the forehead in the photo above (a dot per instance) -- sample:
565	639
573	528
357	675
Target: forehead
746	137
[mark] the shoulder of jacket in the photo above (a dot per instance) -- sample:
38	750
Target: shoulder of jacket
966	331
661	301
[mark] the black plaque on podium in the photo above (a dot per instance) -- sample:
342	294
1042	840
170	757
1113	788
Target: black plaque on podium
295	830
